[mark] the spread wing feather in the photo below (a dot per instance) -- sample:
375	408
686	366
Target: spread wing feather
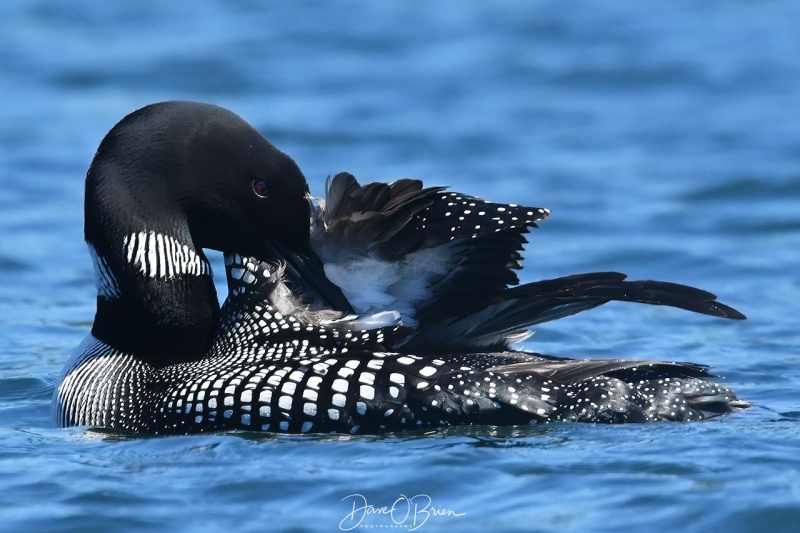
446	262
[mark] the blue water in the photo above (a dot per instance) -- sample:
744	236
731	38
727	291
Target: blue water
665	137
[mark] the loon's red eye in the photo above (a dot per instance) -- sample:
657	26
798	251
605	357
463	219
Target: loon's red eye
260	187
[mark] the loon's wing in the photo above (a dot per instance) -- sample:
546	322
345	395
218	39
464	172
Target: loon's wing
402	246
496	322
445	262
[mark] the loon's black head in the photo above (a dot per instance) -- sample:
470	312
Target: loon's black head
202	166
168	180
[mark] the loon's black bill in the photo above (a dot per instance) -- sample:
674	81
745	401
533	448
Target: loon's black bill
305	273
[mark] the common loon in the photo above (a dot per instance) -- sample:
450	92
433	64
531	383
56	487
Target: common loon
288	351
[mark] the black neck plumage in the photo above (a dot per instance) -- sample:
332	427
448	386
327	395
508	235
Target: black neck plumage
156	296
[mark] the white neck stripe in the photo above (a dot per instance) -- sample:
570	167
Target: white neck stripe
163	256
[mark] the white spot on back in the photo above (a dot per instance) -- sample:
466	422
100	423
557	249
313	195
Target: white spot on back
367	392
427	371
